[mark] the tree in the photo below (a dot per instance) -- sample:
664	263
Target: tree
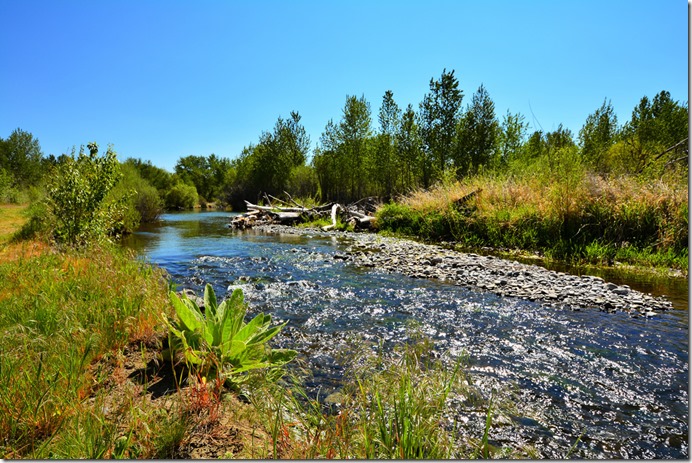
329	165
194	170
385	162
354	133
511	136
181	197
144	204
409	150
599	133
266	167
654	127
21	156
439	114
160	178
559	138
477	133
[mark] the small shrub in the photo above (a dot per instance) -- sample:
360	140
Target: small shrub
218	342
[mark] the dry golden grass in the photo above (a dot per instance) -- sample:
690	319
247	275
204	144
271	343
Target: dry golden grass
11	220
545	198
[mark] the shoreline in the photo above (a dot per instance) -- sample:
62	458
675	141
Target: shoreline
504	277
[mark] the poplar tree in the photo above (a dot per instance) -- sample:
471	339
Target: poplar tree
439	114
385	163
478	133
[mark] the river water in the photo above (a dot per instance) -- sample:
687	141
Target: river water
618	384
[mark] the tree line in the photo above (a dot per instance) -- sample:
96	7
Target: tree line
390	153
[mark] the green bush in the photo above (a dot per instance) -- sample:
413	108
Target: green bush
142	201
76	198
181	197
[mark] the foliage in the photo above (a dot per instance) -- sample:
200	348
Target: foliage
142	200
181	197
654	127
21	159
599	133
478	133
210	175
439	115
76	198
217	341
409	150
267	166
8	193
386	163
511	137
344	158
159	178
302	182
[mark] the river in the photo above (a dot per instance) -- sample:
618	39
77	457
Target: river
621	383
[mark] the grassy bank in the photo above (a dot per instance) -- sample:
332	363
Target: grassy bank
581	218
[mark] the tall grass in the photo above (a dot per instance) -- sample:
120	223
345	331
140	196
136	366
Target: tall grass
577	217
59	312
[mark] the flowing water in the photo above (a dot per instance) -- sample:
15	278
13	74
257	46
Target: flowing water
620	383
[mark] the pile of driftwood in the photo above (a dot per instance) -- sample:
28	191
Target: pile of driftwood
358	214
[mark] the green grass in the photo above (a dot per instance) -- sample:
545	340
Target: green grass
58	313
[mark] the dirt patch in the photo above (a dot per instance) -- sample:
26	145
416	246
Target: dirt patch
211	421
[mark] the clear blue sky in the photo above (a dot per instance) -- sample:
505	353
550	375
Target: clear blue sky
165	79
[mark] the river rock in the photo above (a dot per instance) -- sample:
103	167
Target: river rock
501	276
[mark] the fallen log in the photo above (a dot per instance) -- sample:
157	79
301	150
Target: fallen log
353	214
286	218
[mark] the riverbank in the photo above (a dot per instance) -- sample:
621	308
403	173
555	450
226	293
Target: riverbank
581	220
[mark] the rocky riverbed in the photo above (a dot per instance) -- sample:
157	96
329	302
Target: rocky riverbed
503	277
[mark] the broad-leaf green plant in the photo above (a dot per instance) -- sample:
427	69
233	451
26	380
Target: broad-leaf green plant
217	341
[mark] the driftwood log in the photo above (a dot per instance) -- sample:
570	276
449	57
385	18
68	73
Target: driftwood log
358	214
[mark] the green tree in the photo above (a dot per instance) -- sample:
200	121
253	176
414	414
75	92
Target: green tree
343	158
354	133
194	170
143	203
21	156
477	133
160	178
512	136
599	133
409	150
329	165
654	127
439	115
385	162
266	167
181	196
